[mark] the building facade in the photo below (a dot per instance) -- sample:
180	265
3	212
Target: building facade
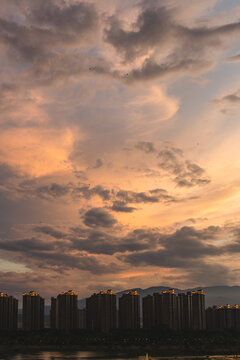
129	310
198	310
176	312
101	311
64	311
148	308
8	312
223	317
33	311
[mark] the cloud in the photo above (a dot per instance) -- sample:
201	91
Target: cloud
101	241
53	256
48	230
7	173
233	98
234	58
52	191
99	217
117	199
48	25
184	172
120	206
14	283
145	146
151	70
99	163
182	249
152	196
159	32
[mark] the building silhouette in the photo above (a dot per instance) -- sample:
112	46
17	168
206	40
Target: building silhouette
161	310
148	307
177	312
185	316
8	312
33	311
198	310
81	319
64	311
101	311
169	310
129	310
223	317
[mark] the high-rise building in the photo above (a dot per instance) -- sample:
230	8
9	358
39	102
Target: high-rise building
148	308
198	310
223	317
8	312
129	310
184	311
161	310
33	311
169	311
181	312
211	318
64	311
81	319
101	311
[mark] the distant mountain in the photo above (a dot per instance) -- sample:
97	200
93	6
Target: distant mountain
215	295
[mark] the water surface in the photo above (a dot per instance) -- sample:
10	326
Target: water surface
56	355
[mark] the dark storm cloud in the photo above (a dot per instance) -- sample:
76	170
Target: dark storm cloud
184	172
99	217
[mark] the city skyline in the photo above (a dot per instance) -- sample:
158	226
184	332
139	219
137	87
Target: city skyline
105	312
119	141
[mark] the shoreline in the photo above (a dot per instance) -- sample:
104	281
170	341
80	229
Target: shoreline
134	351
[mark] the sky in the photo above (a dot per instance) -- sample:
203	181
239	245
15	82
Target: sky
119	143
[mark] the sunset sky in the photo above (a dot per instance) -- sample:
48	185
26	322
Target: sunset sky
119	144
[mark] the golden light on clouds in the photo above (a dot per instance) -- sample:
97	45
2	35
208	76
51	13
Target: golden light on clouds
119	142
34	151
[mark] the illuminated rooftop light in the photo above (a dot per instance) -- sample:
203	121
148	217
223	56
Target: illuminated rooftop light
31	293
3	295
69	292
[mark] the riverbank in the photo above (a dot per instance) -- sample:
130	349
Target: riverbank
165	352
125	343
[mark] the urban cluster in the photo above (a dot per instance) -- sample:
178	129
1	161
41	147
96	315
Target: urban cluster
104	313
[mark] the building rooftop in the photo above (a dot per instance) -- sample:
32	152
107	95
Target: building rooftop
31	293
